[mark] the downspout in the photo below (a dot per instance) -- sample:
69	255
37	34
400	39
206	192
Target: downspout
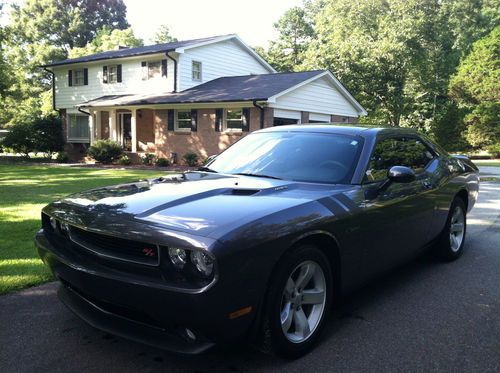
261	108
175	70
83	111
53	88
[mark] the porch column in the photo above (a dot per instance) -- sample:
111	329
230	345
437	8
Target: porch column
98	125
113	134
133	125
91	127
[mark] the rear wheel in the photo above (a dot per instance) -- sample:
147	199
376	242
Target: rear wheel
452	238
298	302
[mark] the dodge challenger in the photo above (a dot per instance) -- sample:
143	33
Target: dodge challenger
258	243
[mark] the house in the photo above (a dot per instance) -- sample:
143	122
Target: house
196	95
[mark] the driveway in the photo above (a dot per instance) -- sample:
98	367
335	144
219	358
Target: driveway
426	316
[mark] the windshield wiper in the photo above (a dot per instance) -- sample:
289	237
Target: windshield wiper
258	175
206	169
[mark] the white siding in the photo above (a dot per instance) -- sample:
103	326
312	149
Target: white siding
68	97
289	114
226	58
320	117
319	96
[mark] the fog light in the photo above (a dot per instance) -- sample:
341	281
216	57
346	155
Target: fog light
53	223
203	262
177	257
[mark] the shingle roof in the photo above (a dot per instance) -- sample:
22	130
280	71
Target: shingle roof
138	51
226	89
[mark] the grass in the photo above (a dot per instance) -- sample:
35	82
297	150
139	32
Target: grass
24	191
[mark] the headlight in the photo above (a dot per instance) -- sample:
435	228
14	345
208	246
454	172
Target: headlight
203	262
177	257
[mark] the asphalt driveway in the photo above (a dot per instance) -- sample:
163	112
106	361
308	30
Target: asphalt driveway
426	316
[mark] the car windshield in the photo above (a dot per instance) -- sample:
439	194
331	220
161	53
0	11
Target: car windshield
298	156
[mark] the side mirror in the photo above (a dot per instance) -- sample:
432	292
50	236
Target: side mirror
401	174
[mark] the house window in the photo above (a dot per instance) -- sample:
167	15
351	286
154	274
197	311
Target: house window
183	120
78	77
112	74
196	70
78	128
154	69
234	120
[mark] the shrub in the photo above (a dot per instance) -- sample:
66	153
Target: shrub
20	139
48	135
162	162
62	157
105	151
148	159
124	160
494	150
191	159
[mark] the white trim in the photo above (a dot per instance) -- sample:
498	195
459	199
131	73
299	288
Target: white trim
342	90
262	61
288	114
224	121
320	117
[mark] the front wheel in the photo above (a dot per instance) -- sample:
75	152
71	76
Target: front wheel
451	242
298	301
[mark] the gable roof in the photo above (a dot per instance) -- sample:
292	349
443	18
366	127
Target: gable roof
226	89
177	46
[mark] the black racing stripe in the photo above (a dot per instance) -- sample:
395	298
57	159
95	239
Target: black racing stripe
347	202
332	205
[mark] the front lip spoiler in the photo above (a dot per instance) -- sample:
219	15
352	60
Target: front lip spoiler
126	328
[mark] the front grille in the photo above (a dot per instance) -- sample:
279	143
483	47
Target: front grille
115	248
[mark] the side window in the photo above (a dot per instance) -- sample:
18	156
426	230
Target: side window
401	151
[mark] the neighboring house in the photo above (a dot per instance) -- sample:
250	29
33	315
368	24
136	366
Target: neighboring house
196	95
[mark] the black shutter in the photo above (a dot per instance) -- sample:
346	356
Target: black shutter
70	78
194	120
164	68
105	74
119	73
144	67
246	120
170	120
85	76
218	119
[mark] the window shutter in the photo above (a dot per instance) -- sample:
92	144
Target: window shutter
246	120
119	73
194	120
164	68
105	74
144	67
170	120
218	119
85	76
70	78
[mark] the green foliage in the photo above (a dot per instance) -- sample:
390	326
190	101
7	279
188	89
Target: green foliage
162	162
48	135
191	159
148	159
494	150
476	88
20	139
124	160
106	40
105	151
163	35
62	157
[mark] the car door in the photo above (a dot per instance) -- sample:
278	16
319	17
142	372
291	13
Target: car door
394	223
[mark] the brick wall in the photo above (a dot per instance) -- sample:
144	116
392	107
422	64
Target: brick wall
341	119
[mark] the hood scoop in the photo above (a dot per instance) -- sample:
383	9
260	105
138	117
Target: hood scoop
244	192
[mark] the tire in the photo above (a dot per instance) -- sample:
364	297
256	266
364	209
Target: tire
451	242
300	294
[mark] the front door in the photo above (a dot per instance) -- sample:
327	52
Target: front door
126	130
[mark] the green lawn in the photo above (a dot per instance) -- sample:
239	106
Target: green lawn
24	190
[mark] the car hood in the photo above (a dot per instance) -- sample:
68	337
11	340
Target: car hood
197	203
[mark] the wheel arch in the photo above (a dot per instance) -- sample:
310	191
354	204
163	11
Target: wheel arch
463	194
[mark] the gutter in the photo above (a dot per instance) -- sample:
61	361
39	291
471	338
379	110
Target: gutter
53	88
83	111
175	69
261	108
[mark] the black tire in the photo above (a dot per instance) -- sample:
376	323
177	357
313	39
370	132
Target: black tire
445	247
274	338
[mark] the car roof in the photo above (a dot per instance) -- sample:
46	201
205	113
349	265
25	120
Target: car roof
363	130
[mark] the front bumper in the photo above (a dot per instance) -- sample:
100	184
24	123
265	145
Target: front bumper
145	311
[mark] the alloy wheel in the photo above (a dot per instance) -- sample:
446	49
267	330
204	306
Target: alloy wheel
457	229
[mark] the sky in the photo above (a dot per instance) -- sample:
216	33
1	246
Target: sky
187	19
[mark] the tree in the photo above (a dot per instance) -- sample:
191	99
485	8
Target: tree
106	40
163	36
476	87
295	32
